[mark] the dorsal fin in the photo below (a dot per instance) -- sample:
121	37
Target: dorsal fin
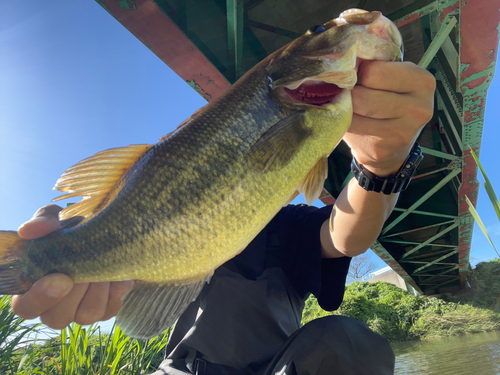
94	178
185	122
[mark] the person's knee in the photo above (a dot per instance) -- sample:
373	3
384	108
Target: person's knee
352	343
341	326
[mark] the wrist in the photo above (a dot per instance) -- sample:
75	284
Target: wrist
389	182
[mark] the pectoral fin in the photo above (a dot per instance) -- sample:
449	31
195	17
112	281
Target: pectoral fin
277	146
150	308
312	185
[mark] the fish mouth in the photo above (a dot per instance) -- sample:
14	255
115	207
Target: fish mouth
323	89
315	93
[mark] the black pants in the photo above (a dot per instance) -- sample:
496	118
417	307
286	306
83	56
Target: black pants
333	345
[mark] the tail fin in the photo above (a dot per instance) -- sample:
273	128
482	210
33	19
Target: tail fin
11	281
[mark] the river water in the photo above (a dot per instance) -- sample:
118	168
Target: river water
477	354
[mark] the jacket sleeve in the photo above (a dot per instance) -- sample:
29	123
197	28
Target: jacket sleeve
300	246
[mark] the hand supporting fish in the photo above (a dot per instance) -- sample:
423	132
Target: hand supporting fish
263	159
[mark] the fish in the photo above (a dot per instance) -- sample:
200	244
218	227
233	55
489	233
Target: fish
167	215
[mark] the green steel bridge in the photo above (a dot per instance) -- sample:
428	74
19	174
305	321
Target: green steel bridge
427	239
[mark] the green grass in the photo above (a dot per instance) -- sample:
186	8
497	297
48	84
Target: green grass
13	333
493	199
76	350
400	316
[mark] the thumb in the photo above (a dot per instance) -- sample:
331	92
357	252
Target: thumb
45	220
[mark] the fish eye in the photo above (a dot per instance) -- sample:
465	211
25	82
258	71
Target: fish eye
316	29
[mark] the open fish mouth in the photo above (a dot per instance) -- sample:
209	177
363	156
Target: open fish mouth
320	90
314	93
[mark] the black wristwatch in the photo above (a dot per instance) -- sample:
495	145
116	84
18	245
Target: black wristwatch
392	184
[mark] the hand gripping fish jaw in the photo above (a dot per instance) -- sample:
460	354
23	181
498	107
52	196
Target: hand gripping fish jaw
329	56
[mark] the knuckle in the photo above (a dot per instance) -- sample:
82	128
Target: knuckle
423	114
55	322
428	81
51	210
87	319
88	316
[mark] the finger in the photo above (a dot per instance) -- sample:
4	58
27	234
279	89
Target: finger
62	314
45	220
388	131
116	292
93	305
401	77
378	104
43	295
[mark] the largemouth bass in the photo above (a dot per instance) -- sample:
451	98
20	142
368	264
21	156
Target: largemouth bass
167	215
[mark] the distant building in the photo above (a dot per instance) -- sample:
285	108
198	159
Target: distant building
388	275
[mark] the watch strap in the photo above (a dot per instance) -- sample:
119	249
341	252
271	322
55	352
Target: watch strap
392	184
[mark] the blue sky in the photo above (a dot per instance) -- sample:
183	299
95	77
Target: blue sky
73	82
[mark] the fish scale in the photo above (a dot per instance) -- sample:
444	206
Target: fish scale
168	215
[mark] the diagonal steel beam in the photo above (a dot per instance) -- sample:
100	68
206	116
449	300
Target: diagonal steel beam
235	10
426	196
424	262
441	273
426	213
436	236
390	261
402	242
446	282
417	229
449	127
433	253
274	29
439	154
435	261
442	277
446	26
413	11
431	172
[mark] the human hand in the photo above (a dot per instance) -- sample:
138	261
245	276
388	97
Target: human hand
392	102
55	298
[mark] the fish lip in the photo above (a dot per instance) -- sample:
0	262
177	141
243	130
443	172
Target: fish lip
286	98
344	85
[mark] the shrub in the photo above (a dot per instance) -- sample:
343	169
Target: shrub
400	316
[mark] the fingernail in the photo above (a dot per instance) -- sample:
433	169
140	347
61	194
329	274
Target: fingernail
55	288
50	210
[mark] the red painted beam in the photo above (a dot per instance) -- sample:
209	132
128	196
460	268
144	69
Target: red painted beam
479	33
162	36
326	198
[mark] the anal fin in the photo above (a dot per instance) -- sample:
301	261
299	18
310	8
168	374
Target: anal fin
292	197
151	308
312	185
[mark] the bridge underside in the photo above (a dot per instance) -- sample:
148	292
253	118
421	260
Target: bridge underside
427	238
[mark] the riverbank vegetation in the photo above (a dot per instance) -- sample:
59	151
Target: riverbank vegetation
400	316
388	310
75	351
